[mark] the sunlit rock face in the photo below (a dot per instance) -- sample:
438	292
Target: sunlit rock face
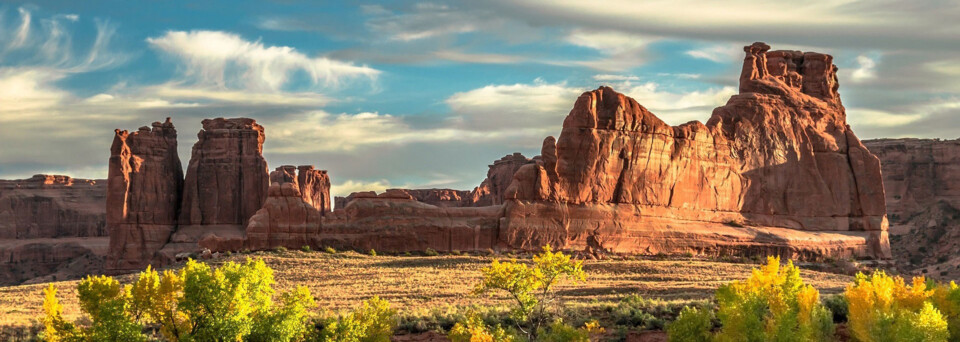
779	154
775	171
143	194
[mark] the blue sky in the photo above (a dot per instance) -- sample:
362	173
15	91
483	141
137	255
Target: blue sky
427	94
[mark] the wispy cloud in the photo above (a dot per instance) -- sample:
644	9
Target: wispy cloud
621	51
225	60
534	106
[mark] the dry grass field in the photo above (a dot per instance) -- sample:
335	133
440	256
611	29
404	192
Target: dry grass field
421	285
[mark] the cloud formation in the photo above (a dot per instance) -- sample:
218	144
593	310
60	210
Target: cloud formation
225	60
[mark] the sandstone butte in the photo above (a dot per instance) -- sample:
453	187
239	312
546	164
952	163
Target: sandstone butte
776	170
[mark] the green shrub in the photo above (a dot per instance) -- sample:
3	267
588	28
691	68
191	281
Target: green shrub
772	305
558	331
473	329
884	308
231	303
430	252
330	250
373	321
305	248
280	249
531	287
837	304
693	325
372	252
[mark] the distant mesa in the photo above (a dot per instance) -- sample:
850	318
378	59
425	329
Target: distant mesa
775	171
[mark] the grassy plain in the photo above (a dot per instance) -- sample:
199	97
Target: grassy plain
421	287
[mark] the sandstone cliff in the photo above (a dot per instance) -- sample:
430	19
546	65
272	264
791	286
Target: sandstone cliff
144	193
51	226
227	177
922	182
779	154
774	171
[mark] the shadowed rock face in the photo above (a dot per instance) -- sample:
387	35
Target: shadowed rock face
227	177
52	206
922	182
51	227
143	197
779	154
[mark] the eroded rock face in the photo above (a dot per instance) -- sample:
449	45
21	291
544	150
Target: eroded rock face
144	192
921	178
314	187
227	177
286	219
396	222
779	154
52	206
51	227
499	176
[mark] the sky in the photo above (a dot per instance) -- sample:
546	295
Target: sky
420	94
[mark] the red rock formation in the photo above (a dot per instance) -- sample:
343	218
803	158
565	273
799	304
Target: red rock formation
341	202
921	178
286	219
396	222
777	155
144	186
315	187
51	227
437	197
227	177
48	206
499	176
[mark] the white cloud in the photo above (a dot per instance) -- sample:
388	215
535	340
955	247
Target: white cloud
483	58
720	53
318	131
677	107
620	51
424	21
865	71
535	106
608	77
350	186
223	59
25	92
23	32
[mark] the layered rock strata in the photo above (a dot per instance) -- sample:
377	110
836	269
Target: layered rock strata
227	177
779	154
51	227
144	192
774	171
921	178
297	200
